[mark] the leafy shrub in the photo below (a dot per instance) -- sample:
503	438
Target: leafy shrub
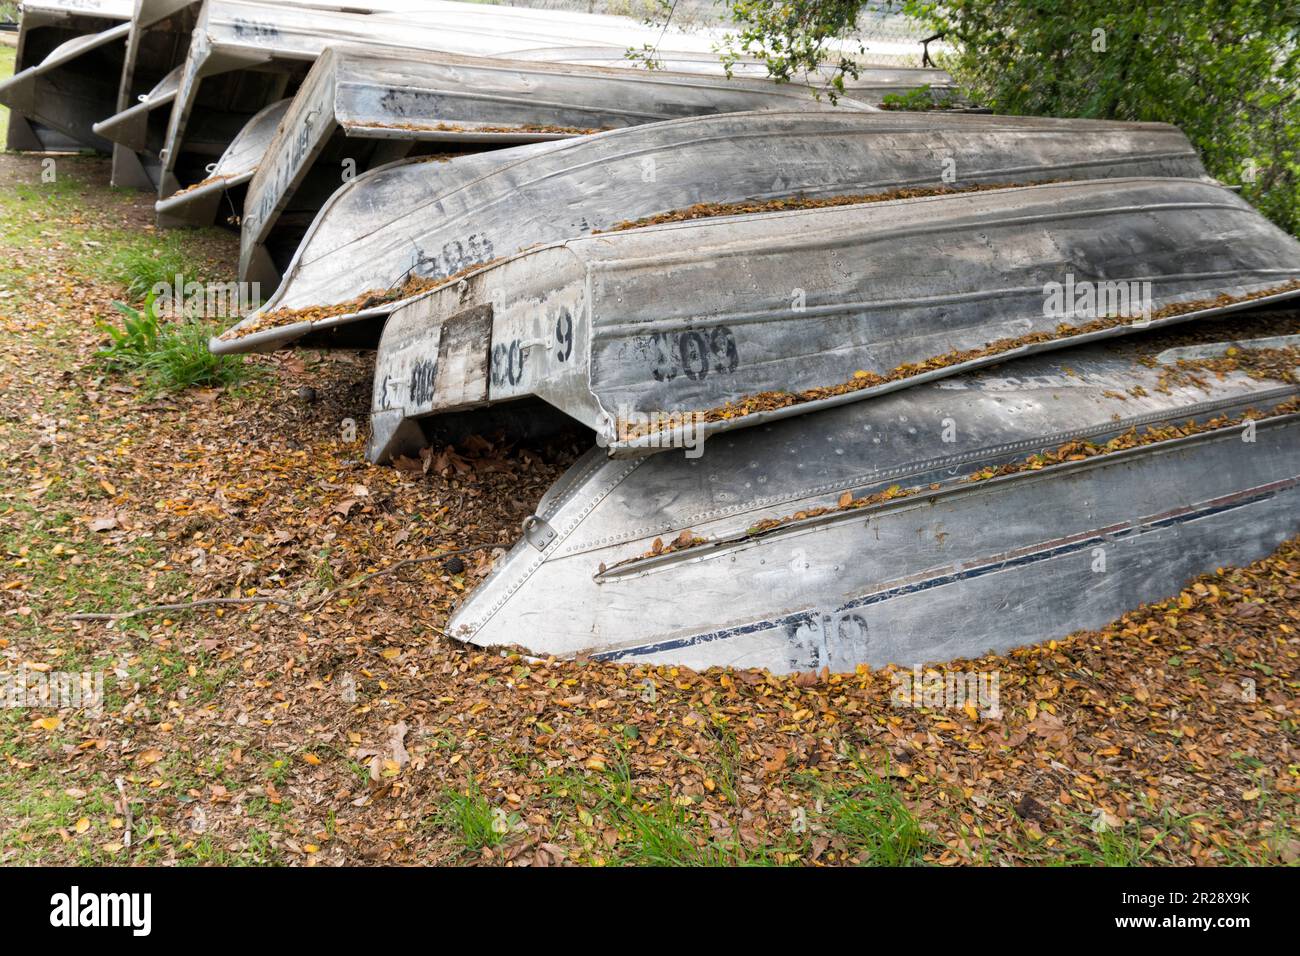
1226	72
135	339
173	354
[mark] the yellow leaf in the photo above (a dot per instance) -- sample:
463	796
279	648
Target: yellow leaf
311	759
1252	794
82	825
46	723
311	848
107	486
969	708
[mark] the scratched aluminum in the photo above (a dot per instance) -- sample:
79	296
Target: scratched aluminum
64	63
689	316
238	38
372	106
436	219
156	50
200	205
957	571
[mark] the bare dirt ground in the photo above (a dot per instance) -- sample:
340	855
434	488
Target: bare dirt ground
345	729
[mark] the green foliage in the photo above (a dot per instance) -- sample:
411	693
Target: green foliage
140	268
920	99
876	822
174	355
137	337
183	359
791	37
1227	72
471	817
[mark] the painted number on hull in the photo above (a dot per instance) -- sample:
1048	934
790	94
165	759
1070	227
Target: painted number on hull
419	387
422	378
693	353
564	335
837	640
507	363
455	257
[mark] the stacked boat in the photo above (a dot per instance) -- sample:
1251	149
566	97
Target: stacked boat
863	386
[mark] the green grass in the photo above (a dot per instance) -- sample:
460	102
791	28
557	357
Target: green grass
140	266
8	56
876	823
173	354
106	578
660	830
470	817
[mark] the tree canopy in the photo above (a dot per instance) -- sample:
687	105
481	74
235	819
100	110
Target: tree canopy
1227	72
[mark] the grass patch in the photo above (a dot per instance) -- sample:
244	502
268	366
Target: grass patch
173	355
139	268
876	823
473	820
661	830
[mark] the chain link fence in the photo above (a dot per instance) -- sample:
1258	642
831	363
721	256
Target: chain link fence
887	38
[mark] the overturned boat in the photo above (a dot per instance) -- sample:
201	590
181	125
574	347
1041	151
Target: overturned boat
76	57
704	326
150	77
261	54
362	108
68	53
243	56
244	42
221	193
399	226
986	511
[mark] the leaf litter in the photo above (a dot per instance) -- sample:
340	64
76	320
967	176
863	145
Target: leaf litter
358	734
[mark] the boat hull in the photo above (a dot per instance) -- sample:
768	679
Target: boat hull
67	53
243	43
360	108
784	313
951	568
432	220
202	204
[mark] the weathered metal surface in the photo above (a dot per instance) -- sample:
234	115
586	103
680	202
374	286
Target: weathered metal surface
200	204
684	318
156	48
433	220
130	127
234	38
238	38
872	84
371	107
68	51
958	570
610	37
